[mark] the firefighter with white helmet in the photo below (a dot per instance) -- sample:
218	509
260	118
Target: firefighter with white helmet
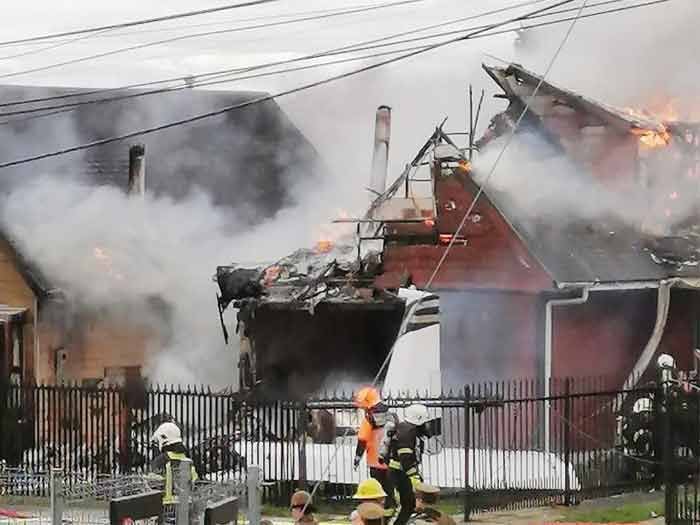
400	450
173	457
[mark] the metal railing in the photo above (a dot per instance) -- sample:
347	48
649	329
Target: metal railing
93	501
502	444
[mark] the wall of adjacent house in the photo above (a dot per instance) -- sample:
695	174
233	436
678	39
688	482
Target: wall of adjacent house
15	292
606	335
98	350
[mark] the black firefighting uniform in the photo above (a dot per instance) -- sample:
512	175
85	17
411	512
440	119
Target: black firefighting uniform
404	453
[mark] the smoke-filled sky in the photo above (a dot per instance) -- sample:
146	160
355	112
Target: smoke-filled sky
630	58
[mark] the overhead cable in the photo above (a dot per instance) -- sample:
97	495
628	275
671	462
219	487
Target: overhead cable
360	46
191	36
61	108
258	100
144	21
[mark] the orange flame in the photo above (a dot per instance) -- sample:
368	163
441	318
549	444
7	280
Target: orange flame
464	165
323	246
649	139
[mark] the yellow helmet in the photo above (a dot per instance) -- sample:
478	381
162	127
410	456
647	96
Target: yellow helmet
369	489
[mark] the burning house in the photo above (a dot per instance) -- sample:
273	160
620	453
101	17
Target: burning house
49	334
524	291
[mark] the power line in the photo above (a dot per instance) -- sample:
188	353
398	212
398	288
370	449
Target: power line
72	107
270	64
229	20
304	87
511	135
360	46
123	25
52	110
197	35
116	33
61	43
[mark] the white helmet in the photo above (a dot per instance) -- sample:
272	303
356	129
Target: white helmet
417	414
167	434
643	404
665	361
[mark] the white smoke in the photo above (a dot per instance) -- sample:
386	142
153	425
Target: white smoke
115	253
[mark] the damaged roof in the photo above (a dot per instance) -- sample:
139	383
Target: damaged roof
518	84
605	250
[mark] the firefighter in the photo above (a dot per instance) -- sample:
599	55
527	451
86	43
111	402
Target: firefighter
173	456
302	508
400	450
426	499
369	437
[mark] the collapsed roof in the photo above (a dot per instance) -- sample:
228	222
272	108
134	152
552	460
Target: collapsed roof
604	143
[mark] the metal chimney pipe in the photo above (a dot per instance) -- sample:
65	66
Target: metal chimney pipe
137	170
380	156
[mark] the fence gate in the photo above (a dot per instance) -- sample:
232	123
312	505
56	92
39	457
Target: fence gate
680	434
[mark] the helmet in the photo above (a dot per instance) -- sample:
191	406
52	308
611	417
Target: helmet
643	404
167	434
665	361
369	489
367	397
417	414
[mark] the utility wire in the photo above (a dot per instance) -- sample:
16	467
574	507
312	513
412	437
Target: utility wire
116	33
123	25
191	36
258	100
270	64
502	152
360	46
46	111
72	107
56	45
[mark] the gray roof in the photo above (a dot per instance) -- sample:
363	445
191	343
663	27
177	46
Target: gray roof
249	157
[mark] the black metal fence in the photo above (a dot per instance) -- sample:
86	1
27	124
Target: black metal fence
514	443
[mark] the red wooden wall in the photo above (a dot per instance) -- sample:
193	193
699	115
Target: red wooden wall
494	257
606	335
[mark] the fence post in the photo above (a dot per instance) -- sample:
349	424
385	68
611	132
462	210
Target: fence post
254	496
56	496
567	442
182	507
667	446
302	426
467	466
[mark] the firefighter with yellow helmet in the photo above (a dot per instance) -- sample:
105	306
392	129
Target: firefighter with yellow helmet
173	457
369	437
